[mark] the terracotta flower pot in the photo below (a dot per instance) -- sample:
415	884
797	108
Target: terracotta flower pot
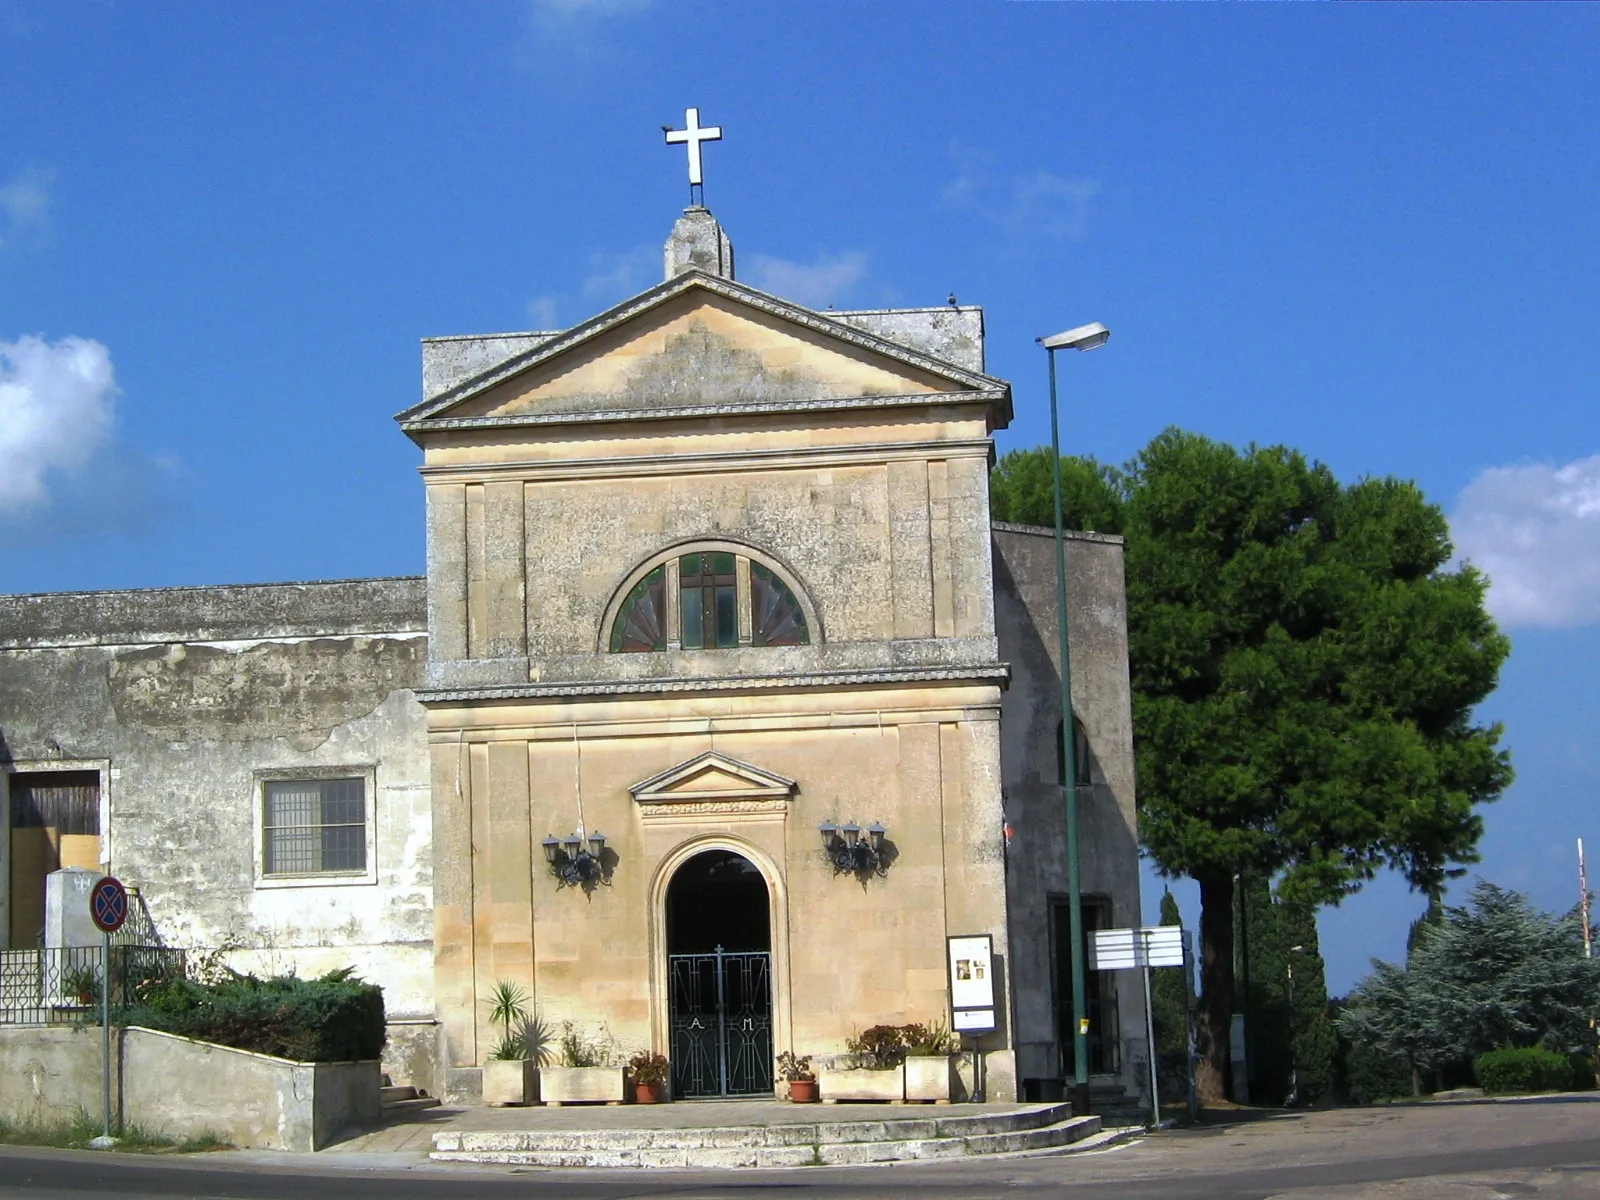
648	1093
803	1091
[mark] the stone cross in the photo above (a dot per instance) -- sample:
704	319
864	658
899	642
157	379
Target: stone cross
693	136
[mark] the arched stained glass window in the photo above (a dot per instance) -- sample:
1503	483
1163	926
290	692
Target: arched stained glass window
776	618
710	606
714	598
641	624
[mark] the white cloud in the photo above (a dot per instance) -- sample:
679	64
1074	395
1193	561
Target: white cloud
615	277
542	313
1535	531
578	29
1050	205
573	10
25	206
56	403
1037	204
814	285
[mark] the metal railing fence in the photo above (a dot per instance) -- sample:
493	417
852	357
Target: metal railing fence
61	986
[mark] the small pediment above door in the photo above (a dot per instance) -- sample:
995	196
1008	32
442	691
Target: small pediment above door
713	778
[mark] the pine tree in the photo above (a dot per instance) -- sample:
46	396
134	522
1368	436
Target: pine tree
1495	972
1314	1040
1305	662
1168	996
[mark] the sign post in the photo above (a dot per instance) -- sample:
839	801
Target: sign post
108	908
1151	946
972	1006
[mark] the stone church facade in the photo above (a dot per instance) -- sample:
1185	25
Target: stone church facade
712	590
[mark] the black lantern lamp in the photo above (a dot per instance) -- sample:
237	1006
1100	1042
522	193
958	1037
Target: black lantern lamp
571	862
850	852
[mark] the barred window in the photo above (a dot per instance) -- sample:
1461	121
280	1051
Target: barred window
314	826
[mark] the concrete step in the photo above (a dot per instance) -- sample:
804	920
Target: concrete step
396	1108
391	1092
825	1143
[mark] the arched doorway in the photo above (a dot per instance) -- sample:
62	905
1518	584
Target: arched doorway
719	971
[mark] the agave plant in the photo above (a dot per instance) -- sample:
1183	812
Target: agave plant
508	1005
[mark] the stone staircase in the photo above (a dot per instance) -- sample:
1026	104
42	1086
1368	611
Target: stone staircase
781	1144
401	1099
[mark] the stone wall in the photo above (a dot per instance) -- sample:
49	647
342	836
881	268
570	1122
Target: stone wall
181	1088
184	700
1025	605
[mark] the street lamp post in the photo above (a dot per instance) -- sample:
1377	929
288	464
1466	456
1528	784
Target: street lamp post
1084	337
1294	1065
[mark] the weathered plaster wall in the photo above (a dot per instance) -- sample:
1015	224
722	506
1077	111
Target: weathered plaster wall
863	473
846	955
1025	606
182	1088
183	697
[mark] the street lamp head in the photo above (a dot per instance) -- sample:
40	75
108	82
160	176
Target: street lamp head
1085	337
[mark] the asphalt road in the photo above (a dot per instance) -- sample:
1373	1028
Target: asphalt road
1545	1149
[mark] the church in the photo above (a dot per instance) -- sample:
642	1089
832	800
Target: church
723	705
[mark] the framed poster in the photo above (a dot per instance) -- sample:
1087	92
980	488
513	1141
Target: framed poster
971	960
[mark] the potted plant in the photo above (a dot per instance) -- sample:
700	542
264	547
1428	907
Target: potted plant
81	986
873	1070
590	1071
649	1074
797	1073
509	1075
930	1061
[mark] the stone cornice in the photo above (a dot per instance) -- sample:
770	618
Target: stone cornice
986	396
995	673
428	413
608	466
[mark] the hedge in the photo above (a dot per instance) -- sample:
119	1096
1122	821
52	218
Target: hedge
335	1018
1502	1072
1582	1078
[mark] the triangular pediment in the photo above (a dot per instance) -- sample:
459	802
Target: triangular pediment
696	342
712	776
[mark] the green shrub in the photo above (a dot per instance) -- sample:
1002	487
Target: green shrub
1581	1078
1527	1069
1372	1075
881	1046
336	1018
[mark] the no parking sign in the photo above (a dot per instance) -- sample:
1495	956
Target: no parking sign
108	905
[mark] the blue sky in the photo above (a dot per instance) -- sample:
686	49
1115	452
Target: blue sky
1367	232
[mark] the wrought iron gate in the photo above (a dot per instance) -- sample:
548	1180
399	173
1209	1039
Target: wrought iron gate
720	1008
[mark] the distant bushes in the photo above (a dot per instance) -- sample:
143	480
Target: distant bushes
1504	1072
334	1018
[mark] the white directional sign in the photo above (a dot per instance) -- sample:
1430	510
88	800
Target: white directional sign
1126	949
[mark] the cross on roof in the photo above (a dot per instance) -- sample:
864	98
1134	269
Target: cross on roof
693	136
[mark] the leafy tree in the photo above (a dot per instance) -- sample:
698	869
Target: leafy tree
1304	667
1495	973
1022	489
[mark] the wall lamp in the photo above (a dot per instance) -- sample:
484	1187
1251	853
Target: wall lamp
574	859
853	850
